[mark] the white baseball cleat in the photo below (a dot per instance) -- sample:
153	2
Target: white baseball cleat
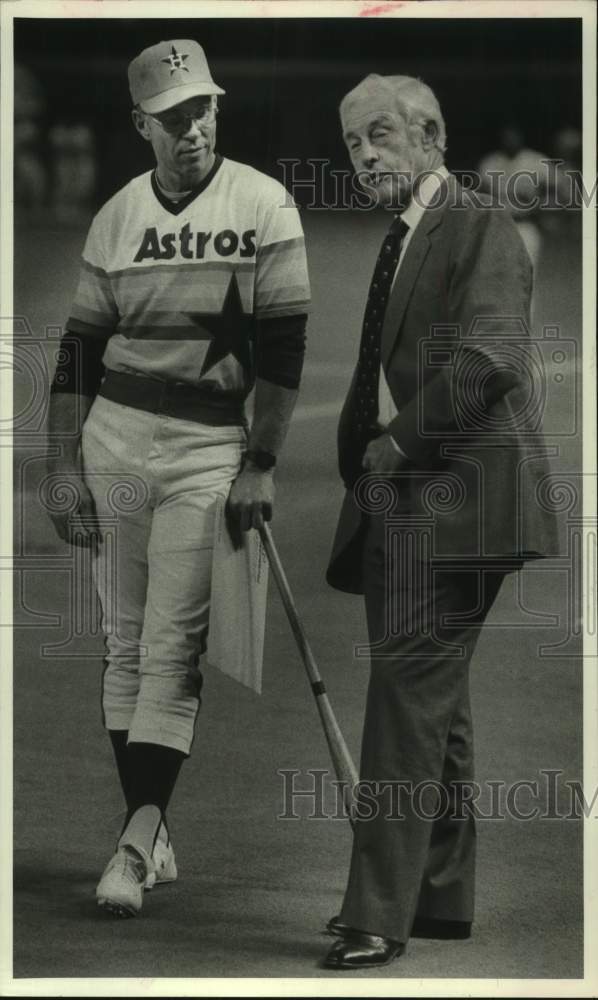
164	865
120	889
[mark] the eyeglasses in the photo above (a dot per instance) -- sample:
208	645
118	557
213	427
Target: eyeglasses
179	122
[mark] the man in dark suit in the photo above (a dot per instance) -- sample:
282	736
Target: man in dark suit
443	460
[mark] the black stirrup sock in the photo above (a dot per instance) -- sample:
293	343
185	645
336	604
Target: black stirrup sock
118	738
152	774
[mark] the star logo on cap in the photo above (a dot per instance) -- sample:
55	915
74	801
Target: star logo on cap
176	60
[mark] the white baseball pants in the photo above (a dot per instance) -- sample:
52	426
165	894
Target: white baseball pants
155	481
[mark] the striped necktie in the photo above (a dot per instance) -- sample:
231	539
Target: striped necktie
368	365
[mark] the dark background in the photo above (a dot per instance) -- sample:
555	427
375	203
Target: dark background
284	79
255	892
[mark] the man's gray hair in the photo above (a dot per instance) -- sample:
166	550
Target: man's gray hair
418	104
411	97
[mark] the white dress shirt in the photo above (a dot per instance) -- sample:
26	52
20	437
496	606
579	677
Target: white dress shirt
412	216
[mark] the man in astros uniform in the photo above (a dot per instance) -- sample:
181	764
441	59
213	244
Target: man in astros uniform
193	288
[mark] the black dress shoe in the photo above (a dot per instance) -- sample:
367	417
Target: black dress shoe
423	927
362	951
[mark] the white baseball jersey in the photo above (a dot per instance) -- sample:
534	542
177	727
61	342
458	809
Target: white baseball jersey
175	288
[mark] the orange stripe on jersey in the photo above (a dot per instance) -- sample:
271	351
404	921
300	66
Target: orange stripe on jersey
292	308
281	246
196	268
98	272
141	332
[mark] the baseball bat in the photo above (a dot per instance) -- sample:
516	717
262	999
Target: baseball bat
344	768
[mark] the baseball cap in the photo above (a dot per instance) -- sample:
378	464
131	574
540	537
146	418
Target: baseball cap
170	72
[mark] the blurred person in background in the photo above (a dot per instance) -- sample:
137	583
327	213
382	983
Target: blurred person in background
74	172
30	165
517	177
567	149
54	165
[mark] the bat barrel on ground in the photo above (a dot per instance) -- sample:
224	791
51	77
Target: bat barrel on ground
342	761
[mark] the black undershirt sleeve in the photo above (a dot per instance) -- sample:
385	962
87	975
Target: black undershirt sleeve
79	368
280	349
279	356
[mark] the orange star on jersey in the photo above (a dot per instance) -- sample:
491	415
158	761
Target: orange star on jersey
231	330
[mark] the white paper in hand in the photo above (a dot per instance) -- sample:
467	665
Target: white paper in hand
238	605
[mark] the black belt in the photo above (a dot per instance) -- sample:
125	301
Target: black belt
173	399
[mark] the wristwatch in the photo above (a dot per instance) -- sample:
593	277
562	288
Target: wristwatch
264	460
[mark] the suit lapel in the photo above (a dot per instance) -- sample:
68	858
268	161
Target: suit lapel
415	255
411	265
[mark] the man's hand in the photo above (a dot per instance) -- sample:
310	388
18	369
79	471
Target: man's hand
74	516
252	493
382	455
251	498
78	525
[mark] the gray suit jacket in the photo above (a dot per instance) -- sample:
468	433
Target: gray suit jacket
463	373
